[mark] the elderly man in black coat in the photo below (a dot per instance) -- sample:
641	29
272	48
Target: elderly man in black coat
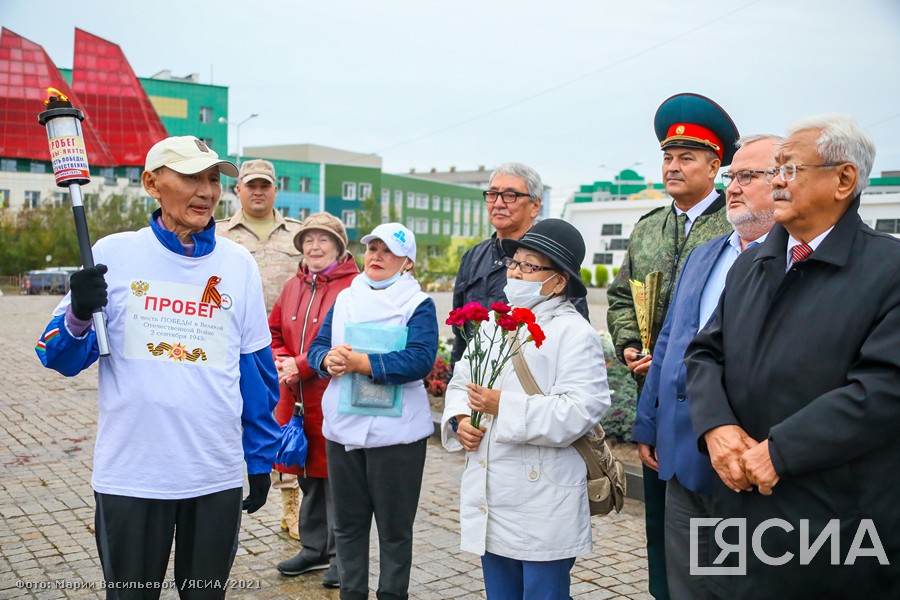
795	385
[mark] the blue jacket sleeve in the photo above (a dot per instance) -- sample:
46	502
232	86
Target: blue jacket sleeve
59	350
417	359
320	346
259	390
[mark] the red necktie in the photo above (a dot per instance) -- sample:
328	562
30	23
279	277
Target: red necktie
800	252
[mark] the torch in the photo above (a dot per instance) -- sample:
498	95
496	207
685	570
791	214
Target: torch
70	167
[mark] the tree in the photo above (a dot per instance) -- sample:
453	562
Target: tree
28	236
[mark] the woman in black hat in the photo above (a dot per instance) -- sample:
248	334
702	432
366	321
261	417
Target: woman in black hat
523	504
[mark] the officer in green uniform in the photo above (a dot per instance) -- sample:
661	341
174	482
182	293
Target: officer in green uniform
697	137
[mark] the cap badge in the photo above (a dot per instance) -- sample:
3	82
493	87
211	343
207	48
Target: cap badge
679	130
401	237
202	146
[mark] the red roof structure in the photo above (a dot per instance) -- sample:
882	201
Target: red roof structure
114	98
26	72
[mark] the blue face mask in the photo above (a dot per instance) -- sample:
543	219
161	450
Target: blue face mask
380	285
526	294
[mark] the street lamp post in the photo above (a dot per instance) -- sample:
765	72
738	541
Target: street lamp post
237	127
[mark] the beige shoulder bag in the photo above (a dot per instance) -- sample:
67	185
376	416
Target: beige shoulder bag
605	474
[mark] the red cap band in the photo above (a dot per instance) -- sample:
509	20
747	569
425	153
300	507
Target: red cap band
690	132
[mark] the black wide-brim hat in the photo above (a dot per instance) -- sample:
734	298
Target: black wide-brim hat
695	121
561	243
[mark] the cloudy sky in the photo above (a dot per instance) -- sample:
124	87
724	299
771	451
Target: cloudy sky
565	86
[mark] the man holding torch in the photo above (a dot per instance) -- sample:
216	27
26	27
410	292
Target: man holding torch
188	387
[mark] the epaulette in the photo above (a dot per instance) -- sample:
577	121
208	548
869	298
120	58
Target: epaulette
653	212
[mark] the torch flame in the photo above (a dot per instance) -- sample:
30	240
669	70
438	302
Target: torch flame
55	92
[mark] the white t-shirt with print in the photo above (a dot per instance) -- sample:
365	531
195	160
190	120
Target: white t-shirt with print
169	396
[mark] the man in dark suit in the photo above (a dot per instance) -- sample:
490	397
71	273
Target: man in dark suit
663	431
795	384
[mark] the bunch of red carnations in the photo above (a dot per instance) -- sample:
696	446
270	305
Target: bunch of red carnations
505	337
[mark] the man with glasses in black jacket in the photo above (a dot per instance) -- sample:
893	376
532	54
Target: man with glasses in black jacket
513	201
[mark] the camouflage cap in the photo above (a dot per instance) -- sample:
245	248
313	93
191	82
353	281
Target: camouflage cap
326	222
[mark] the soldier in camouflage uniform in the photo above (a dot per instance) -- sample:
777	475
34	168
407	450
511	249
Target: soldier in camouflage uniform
261	229
269	237
697	138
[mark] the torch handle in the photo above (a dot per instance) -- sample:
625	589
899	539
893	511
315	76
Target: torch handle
87	261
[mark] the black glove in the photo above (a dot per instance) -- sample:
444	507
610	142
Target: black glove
88	290
259	491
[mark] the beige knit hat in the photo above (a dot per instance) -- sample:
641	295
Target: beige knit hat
326	222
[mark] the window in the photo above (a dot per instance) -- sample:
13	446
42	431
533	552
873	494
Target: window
302	214
411	224
422	201
38	167
435	226
305	184
410	201
134	175
457	207
32	199
7	164
365	191
611	229
445	229
385	197
205	114
349	218
283	210
435	203
207	141
398	202
109	175
284	183
60	198
349	191
4	198
446	204
421	225
150	204
617	244
888	225
457	231
603	258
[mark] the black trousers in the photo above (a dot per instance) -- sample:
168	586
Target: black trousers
384	483
134	539
317	520
655	521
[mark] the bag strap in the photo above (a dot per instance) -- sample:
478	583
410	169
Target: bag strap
523	372
582	444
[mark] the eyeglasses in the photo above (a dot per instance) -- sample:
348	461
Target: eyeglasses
743	177
526	268
788	172
508	196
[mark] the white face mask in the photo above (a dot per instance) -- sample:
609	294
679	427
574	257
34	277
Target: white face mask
526	294
380	285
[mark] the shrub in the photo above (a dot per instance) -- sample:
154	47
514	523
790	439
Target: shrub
619	419
586	276
601	276
618	422
615	271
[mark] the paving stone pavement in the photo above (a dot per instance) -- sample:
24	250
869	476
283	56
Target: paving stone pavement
47	426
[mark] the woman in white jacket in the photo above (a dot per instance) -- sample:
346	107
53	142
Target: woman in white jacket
523	498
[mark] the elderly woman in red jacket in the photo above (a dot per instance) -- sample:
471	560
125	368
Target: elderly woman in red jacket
326	269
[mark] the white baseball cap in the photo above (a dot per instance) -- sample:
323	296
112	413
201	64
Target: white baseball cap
186	155
399	240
